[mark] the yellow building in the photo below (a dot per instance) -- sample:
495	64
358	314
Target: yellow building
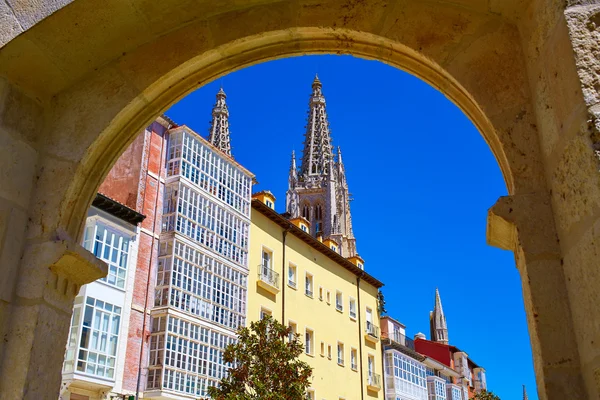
327	299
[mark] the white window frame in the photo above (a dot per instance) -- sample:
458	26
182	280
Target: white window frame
308	275
352	310
339	305
340	346
293	284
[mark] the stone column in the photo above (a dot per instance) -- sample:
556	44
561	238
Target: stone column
576	190
51	274
524	224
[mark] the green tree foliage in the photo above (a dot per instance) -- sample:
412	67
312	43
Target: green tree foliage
381	304
485	395
265	365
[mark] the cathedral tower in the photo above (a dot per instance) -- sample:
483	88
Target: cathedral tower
318	190
437	321
219	125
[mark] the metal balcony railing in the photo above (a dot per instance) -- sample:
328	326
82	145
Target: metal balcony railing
268	276
400	339
374	380
372	330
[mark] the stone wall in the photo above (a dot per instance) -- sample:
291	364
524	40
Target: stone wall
78	81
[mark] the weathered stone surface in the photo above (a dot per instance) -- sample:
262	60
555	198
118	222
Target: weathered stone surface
9	25
30	12
82	79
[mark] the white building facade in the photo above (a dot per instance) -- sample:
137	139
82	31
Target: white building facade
201	284
95	354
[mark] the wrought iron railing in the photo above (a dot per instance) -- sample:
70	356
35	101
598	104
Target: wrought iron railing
374	380
372	330
269	276
400	339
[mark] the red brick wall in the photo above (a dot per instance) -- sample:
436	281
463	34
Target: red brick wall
122	182
133	182
150	200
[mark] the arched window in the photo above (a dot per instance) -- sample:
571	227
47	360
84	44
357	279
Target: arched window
306	212
318	212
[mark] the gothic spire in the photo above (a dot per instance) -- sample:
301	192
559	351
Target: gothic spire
219	126
293	171
437	321
525	393
317	151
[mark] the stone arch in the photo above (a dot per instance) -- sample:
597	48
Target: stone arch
80	83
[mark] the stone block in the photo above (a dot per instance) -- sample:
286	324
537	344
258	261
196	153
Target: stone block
13	222
576	189
17	167
30	12
9	25
113	28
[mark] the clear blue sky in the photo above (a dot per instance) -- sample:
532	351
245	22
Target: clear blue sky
422	179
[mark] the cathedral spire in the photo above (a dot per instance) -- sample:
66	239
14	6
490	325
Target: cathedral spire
317	151
219	126
525	393
437	321
293	172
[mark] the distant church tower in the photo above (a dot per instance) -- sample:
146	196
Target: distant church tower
318	190
437	321
219	126
525	393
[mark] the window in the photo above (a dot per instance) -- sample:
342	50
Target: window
359	265
267	256
293	329
340	355
339	301
334	248
328	297
308	285
410	375
370	365
352	308
292	275
308	343
191	281
304	228
310	394
99	335
264	312
112	247
353	358
329	351
321	293
306	212
322	349
269	203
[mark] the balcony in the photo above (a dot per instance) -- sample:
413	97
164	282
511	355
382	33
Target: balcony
371	332
374	381
401	339
268	279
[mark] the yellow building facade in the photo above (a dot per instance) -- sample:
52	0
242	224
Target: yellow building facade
327	299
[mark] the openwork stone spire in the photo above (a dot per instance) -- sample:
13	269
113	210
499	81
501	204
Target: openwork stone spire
317	152
317	190
437	321
219	126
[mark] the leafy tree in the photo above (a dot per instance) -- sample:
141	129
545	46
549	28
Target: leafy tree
381	303
485	395
265	365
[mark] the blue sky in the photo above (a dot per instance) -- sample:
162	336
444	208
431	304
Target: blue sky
422	179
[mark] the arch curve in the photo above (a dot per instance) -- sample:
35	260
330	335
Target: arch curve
206	67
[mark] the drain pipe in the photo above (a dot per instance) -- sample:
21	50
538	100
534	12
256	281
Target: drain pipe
360	351
160	168
283	284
